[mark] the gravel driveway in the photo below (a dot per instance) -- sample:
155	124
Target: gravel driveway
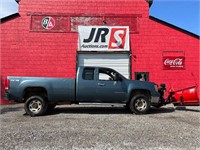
97	127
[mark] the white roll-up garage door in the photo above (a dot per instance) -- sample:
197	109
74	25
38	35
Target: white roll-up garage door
118	62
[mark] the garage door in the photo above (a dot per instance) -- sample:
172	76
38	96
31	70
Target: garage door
118	62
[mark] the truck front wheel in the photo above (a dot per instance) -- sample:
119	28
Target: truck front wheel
35	106
140	104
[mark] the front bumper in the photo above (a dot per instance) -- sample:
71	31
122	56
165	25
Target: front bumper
155	99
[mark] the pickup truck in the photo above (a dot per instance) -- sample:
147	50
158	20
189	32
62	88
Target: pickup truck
92	85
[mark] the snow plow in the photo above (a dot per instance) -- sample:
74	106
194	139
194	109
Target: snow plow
183	97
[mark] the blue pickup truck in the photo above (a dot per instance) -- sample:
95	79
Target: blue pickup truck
92	85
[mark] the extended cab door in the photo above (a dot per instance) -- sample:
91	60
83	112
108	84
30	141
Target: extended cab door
110	87
86	85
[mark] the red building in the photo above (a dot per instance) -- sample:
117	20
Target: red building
43	40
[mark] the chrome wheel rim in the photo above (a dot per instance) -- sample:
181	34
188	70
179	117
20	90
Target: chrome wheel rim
140	104
35	106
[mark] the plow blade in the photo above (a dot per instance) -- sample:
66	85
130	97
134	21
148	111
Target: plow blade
186	97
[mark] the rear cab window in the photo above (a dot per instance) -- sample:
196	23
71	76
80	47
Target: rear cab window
88	74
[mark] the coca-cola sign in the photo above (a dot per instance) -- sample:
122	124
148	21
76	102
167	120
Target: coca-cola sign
173	62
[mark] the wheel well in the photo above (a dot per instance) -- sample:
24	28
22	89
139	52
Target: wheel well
35	91
136	92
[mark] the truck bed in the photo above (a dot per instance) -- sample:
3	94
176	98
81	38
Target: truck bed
58	89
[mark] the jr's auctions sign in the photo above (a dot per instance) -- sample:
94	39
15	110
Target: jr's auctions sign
103	38
173	62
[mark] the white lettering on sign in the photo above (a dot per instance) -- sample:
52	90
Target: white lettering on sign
192	90
117	38
175	62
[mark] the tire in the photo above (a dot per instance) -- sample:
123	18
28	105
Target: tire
35	106
140	104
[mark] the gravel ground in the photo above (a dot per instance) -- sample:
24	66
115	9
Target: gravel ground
85	127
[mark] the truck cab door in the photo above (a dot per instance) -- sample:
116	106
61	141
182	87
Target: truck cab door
110	88
86	85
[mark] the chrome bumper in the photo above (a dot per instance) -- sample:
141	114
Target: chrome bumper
155	99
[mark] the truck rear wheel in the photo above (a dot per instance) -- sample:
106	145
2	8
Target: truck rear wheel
35	106
140	104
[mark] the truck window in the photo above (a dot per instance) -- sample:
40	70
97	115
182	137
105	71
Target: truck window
105	74
88	74
142	76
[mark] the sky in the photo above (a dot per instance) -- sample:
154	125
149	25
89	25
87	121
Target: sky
8	7
184	14
181	13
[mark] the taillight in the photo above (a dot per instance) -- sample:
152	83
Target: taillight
7	84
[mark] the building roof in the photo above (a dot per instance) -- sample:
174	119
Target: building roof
150	2
10	17
174	27
8	8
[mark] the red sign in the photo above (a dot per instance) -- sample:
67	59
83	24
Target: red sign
43	23
173	62
117	38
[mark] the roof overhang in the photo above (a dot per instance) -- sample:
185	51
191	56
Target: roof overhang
174	27
150	2
10	17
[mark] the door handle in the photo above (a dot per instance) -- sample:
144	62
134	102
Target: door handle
101	84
